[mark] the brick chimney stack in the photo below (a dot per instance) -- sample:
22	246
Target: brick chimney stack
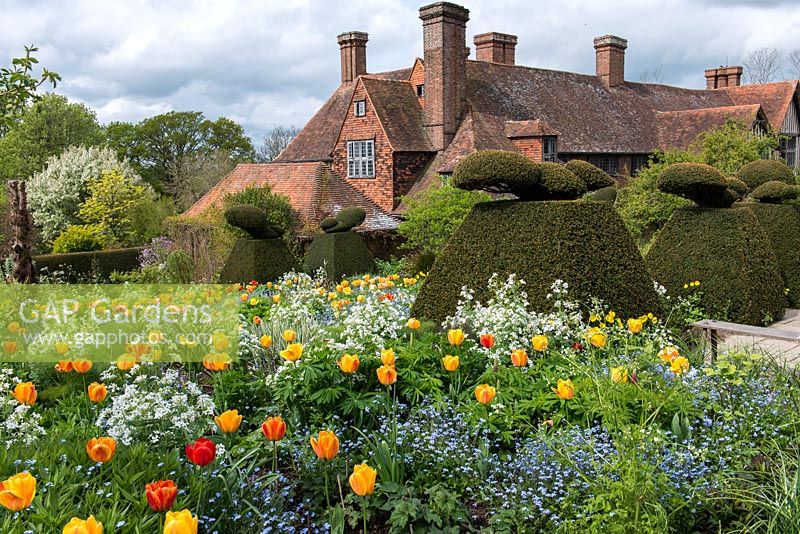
353	49
496	47
723	77
444	29
610	59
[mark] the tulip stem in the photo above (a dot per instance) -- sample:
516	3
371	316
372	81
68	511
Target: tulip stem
327	492
365	514
275	456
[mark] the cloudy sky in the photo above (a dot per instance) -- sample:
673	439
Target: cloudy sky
269	62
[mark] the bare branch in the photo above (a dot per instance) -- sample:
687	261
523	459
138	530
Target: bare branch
762	65
274	142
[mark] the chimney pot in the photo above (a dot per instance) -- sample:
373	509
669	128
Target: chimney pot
610	59
722	77
353	51
495	47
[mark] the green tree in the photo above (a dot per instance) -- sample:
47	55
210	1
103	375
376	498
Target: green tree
433	216
18	86
157	145
110	205
732	145
45	129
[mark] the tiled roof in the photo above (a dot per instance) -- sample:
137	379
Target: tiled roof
314	191
679	129
774	98
534	128
400	114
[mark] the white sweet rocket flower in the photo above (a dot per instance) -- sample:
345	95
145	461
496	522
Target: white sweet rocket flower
373	322
19	423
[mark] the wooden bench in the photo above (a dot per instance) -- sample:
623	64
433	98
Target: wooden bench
710	328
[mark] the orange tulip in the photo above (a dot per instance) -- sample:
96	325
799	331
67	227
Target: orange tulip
182	522
10	347
265	341
83	526
292	352
274	428
126	362
217	361
387	356
82	366
25	393
539	343
160	495
668	354
485	393
519	358
387	375
228	422
362	481
289	335
101	449
564	389
349	363
413	324
64	366
450	363
455	336
487	340
97	392
326	445
18	491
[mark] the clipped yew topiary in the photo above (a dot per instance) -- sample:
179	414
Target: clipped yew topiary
729	253
498	171
583	243
761	171
257	259
340	253
345	220
738	186
594	177
775	192
252	220
605	194
781	224
700	183
556	182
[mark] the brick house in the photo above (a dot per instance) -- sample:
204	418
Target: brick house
381	136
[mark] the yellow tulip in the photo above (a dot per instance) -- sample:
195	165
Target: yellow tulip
292	352
265	341
596	337
539	343
635	326
326	445
62	347
387	375
679	365
362	481
101	449
668	354
349	363
387	356
413	324
182	522
25	393
455	336
228	422
276	299
83	526
14	327
97	392
18	491
220	342
289	335
485	393
619	375
450	363
564	389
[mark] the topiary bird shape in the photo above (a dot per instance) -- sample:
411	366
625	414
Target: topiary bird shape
345	220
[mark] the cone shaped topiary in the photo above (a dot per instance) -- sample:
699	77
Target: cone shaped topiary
340	253
257	259
761	171
583	243
731	256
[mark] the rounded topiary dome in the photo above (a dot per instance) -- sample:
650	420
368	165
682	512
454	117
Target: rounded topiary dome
497	171
252	220
700	183
558	183
761	171
592	176
775	192
738	186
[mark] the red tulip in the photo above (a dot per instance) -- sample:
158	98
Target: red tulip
201	452
487	340
161	495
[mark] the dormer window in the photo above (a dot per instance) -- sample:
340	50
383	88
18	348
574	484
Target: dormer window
421	90
549	148
361	108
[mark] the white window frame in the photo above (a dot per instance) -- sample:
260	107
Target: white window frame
360	108
361	158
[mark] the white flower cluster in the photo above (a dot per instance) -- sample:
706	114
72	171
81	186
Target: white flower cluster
155	406
19	423
373	322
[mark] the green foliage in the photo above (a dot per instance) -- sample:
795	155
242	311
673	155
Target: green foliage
341	254
497	171
345	220
205	238
257	259
698	182
775	192
18	86
80	238
761	171
557	183
46	129
592	176
179	268
252	220
79	265
605	194
737	186
733	145
147	221
110	205
277	208
581	243
729	253
432	216
781	224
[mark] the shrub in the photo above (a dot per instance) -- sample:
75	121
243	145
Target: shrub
205	238
257	259
432	216
252	220
761	171
698	182
775	192
79	266
278	209
340	253
582	243
346	219
499	171
781	224
179	268
738	186
729	253
605	194
112	201
592	176
557	183
79	238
